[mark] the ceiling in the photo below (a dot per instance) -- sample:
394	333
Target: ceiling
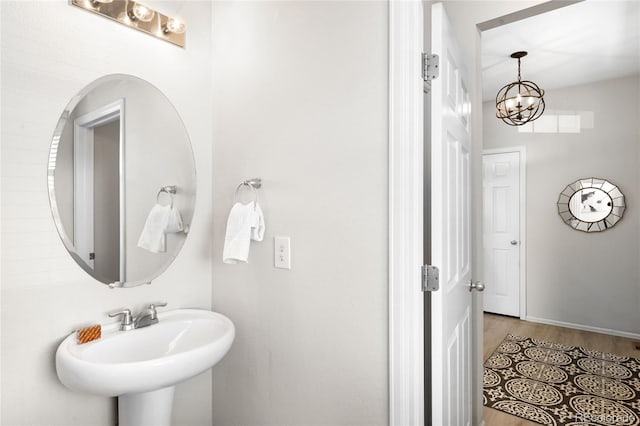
585	42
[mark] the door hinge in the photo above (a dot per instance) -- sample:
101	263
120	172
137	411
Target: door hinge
430	278
92	256
430	69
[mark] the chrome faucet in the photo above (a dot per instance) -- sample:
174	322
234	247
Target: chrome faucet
149	316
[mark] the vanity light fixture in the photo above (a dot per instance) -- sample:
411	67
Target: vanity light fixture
519	102
139	16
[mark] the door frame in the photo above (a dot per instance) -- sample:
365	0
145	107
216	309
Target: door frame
406	373
406	310
523	219
406	139
83	129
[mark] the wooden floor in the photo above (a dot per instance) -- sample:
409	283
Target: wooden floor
496	327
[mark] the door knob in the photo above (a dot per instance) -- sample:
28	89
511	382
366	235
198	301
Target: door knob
514	243
478	286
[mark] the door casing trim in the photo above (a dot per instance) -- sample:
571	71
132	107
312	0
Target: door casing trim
406	311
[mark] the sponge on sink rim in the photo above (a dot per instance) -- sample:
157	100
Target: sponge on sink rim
89	334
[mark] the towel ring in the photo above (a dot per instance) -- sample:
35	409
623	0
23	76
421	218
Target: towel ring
170	190
250	185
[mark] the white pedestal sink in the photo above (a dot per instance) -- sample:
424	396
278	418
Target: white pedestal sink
142	366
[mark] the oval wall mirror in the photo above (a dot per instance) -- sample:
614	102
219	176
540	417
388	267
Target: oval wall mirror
591	205
122	182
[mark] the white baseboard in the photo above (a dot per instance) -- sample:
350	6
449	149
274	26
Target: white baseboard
585	328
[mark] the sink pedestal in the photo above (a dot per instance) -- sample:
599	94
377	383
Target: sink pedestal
146	409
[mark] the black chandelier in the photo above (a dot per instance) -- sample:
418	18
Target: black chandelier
519	102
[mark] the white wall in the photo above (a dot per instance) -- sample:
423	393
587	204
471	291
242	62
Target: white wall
300	99
50	50
574	277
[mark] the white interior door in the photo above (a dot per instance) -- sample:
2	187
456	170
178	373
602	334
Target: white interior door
450	226
501	228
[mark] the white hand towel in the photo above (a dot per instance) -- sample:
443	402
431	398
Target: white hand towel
257	232
174	224
153	237
245	223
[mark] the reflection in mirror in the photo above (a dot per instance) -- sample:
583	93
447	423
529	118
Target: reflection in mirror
97	229
591	205
118	142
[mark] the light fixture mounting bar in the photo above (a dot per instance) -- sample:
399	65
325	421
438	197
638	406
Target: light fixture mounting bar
153	22
518	55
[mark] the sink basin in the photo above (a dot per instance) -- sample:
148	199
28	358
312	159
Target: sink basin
144	364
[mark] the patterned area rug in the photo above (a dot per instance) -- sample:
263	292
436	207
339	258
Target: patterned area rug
555	384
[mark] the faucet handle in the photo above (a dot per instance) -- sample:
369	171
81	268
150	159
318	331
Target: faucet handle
155	305
127	319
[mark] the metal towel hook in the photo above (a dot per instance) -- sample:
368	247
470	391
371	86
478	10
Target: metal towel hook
254	184
170	189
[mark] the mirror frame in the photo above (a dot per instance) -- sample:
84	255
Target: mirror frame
612	190
63	121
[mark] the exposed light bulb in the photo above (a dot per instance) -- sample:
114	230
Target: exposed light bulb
175	25
142	12
509	104
518	100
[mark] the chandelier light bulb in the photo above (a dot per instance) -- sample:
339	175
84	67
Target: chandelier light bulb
509	104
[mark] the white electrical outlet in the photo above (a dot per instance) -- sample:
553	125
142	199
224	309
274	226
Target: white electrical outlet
282	252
